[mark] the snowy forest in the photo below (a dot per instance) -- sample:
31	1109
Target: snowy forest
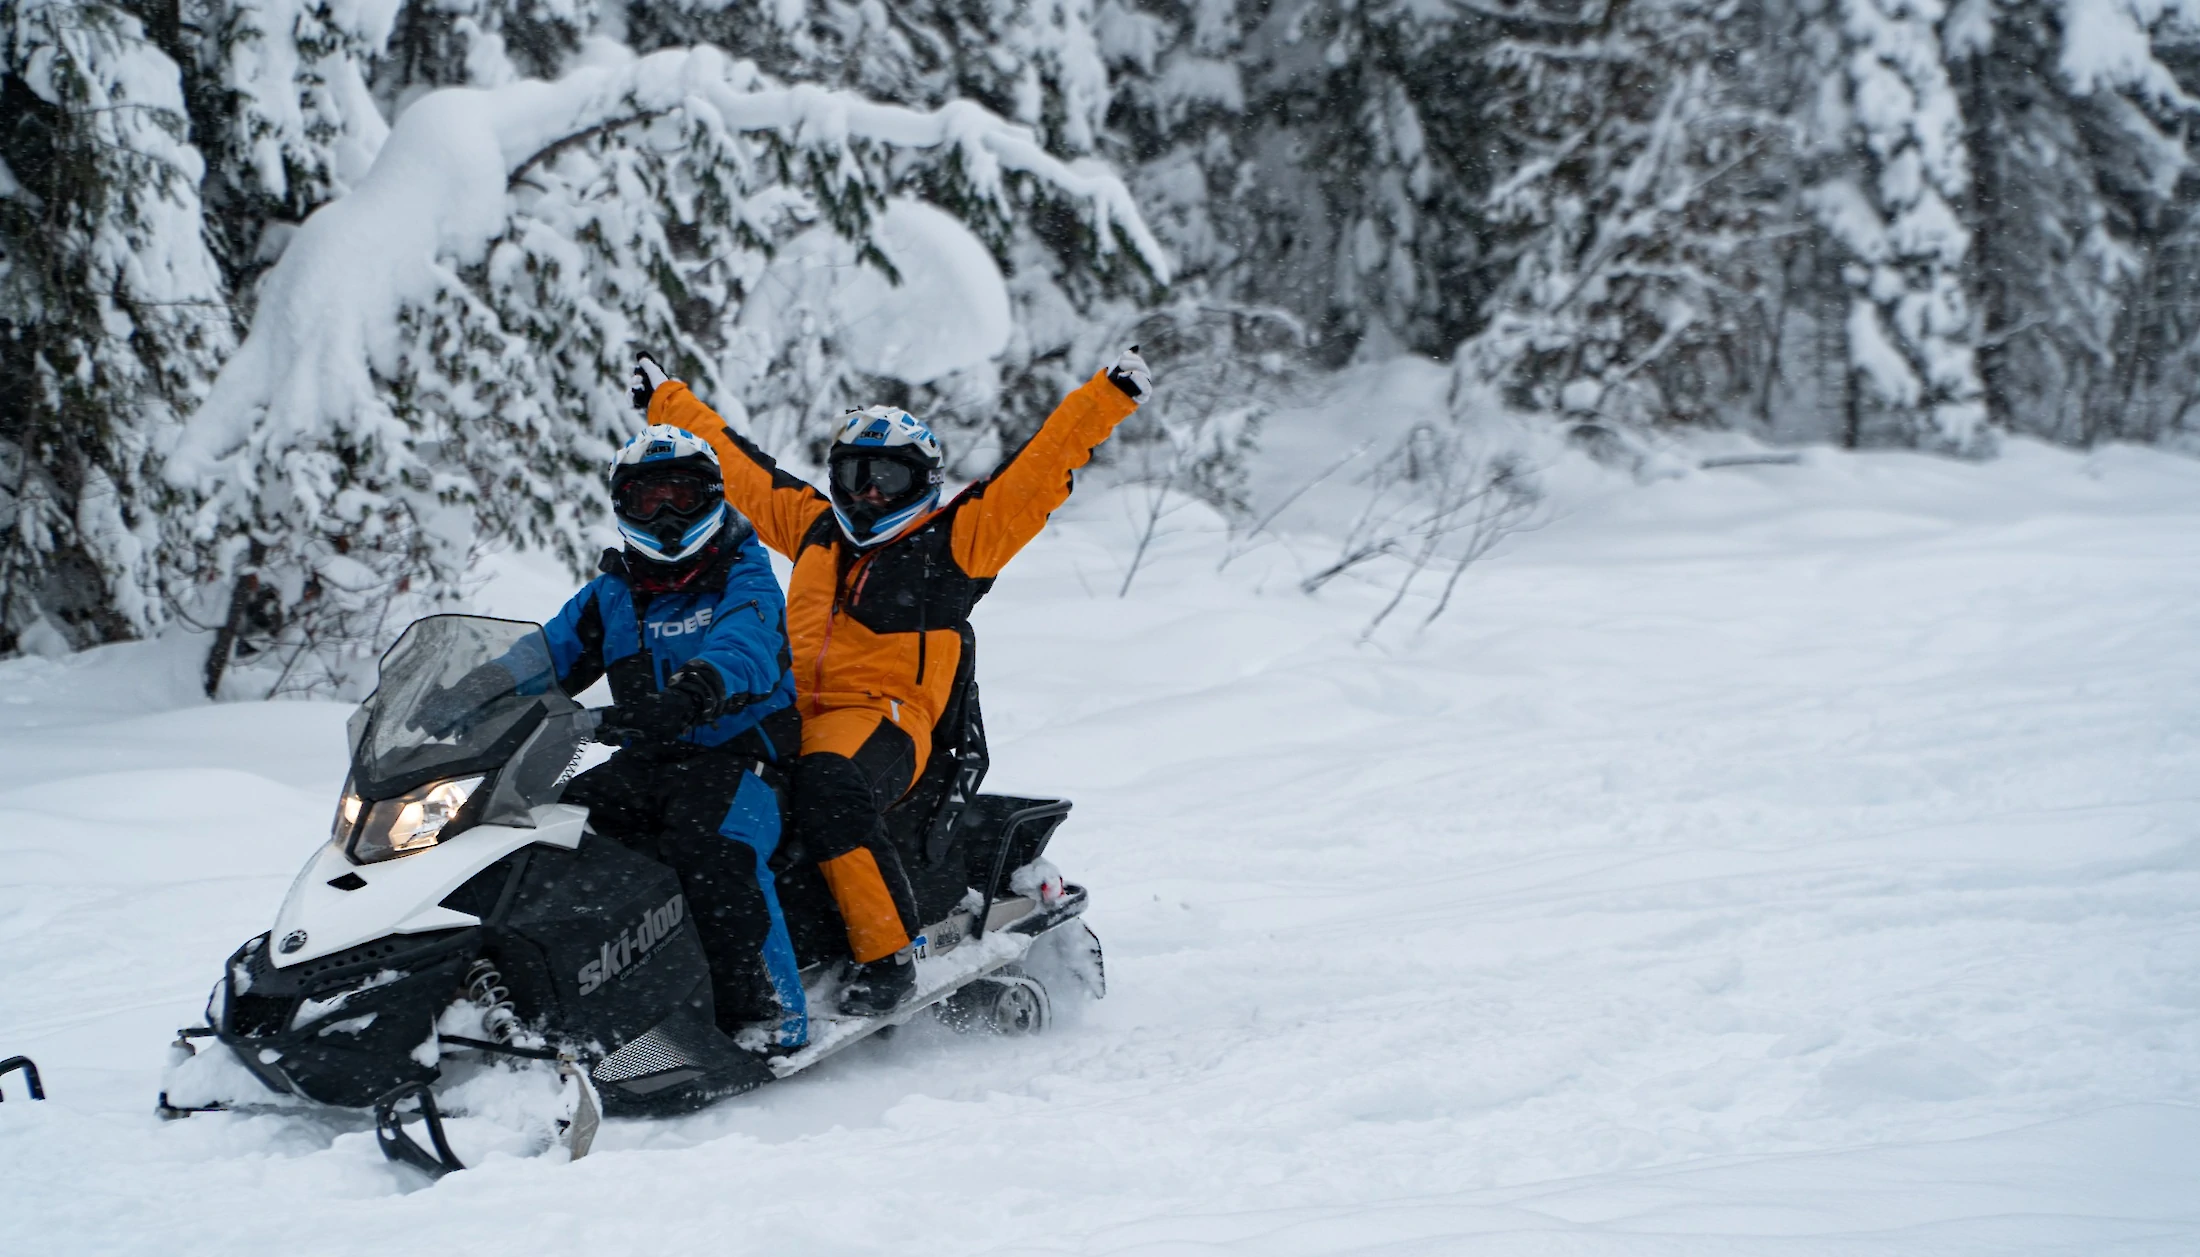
1614	677
287	329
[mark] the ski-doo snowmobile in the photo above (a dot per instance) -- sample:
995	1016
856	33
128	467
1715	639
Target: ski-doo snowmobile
461	918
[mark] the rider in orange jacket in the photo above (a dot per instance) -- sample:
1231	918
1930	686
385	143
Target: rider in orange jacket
884	579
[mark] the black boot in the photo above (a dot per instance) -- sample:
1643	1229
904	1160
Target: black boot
878	988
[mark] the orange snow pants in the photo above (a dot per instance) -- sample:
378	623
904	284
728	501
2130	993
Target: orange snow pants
854	765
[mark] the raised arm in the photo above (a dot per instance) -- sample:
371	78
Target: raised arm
781	507
1008	508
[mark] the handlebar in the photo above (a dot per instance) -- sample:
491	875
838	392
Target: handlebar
595	727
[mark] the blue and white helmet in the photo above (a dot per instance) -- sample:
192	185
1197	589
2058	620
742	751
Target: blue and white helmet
667	495
883	473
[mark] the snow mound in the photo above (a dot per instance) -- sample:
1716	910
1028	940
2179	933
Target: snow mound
949	311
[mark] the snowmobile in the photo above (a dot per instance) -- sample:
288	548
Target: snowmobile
461	918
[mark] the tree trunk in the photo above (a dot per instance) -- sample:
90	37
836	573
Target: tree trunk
241	597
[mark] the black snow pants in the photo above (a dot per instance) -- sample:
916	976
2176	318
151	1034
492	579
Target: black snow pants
839	811
704	812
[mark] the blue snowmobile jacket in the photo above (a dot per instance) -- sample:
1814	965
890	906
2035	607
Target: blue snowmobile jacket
730	616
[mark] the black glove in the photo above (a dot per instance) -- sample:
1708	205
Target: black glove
1131	374
790	852
647	376
443	712
694	696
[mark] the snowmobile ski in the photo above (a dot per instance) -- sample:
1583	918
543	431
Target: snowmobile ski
29	1069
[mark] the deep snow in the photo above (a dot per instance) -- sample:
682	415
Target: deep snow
1766	860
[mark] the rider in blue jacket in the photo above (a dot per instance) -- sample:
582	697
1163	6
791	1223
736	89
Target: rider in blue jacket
689	624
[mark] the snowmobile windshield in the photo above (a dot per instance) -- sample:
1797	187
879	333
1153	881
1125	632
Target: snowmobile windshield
457	694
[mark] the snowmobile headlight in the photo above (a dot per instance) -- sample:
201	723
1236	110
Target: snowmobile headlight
348	809
413	821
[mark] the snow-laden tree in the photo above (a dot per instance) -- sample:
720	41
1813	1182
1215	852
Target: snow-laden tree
479	43
2083	200
1318	158
1401	157
440	355
279	108
1897	174
1874	220
1634	219
112	318
1034	63
2154	395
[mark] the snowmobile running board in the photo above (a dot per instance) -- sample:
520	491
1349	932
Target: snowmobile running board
972	962
30	1075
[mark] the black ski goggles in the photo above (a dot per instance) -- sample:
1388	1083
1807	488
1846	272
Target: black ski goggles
893	478
644	500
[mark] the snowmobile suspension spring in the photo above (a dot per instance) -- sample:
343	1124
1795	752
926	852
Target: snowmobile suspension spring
485	987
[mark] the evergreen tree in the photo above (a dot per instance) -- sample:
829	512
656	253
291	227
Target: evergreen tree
1034	63
480	43
1634	219
1878	221
1315	158
1038	64
112	318
478	300
2080	215
276	93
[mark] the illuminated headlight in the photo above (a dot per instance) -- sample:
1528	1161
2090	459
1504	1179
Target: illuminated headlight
348	809
414	821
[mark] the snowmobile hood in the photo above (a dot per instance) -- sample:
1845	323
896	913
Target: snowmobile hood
335	904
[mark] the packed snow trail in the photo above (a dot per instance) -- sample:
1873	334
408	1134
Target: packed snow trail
1792	860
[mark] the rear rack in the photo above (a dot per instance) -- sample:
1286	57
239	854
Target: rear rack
1053	809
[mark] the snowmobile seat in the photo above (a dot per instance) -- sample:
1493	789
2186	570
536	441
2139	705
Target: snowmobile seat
925	824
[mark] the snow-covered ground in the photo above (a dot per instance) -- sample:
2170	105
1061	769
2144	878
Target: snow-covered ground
1786	860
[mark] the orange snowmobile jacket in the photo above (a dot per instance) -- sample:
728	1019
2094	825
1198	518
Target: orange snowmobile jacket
879	629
